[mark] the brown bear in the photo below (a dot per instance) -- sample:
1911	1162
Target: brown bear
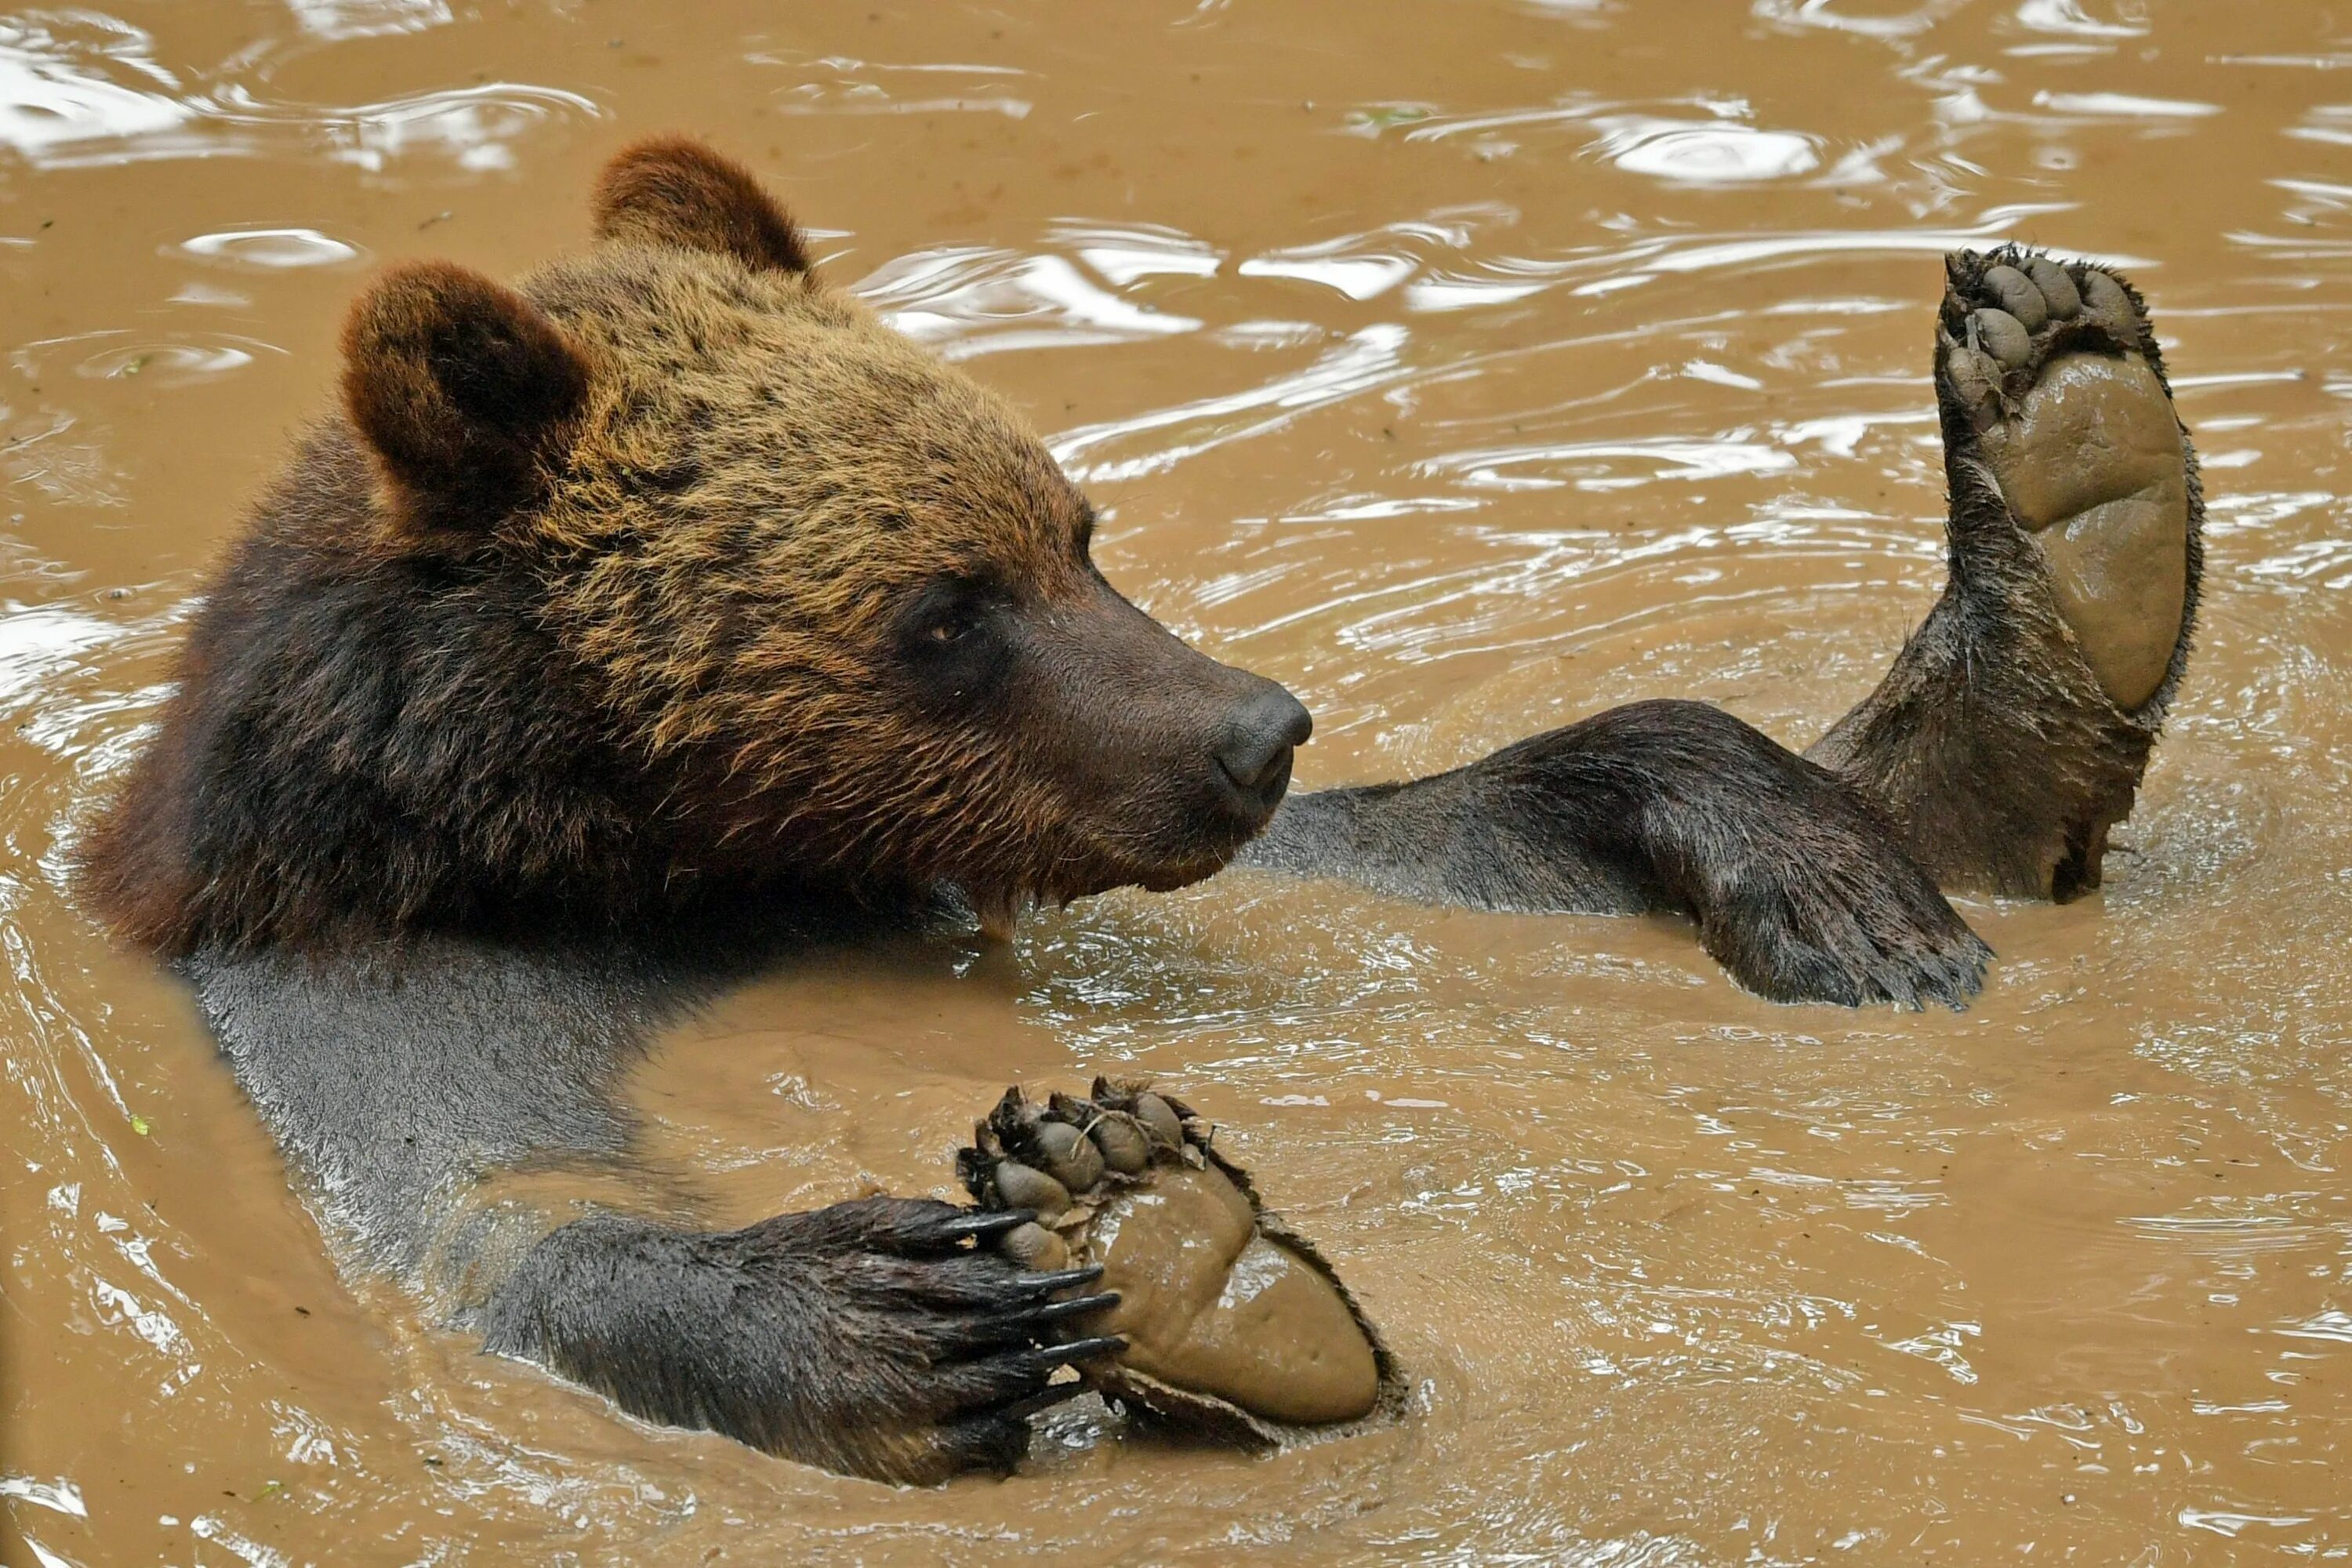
628	628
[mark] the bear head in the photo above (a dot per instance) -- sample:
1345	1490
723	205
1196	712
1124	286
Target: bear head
671	573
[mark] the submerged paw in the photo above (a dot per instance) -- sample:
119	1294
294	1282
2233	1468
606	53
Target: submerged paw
2050	361
1234	1323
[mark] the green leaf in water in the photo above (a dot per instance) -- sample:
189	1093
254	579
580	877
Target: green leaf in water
1381	116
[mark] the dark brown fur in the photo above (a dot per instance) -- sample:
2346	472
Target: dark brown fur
670	190
627	628
466	392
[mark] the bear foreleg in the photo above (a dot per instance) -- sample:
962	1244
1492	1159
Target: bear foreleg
872	1337
456	1111
1799	886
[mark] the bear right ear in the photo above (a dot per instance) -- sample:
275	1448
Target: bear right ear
673	190
466	390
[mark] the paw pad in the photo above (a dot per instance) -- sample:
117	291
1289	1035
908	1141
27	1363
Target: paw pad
2052	364
1234	1324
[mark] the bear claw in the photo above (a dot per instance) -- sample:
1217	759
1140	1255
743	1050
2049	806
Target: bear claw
1227	1323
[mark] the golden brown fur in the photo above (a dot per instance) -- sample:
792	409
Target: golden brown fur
763	473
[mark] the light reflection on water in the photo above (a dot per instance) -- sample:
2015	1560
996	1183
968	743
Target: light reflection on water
271	249
78	89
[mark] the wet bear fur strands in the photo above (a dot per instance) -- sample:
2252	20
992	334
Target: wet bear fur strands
637	627
1659	807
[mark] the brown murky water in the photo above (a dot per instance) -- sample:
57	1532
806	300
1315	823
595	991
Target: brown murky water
1469	368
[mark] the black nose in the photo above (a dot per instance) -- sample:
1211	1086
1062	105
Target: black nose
1258	737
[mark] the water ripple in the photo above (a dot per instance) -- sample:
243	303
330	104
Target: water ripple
78	90
973	300
270	249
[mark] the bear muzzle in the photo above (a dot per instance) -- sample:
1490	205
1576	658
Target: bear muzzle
1253	759
1160	760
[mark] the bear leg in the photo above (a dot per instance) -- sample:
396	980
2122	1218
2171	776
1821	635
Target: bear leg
884	1338
1798	884
2012	731
455	1110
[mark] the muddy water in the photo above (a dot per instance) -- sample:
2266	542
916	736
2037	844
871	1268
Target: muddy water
1469	368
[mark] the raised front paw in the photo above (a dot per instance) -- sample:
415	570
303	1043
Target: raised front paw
1235	1328
2052	372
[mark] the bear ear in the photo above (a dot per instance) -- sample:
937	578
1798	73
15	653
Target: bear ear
466	390
673	190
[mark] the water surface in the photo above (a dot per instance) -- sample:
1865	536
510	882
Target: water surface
1469	368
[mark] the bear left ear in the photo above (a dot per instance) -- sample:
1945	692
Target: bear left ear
673	190
467	391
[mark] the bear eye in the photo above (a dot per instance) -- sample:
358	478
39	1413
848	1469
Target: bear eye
948	611
954	615
956	642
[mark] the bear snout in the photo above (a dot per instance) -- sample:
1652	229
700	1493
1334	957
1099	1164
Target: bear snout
1252	756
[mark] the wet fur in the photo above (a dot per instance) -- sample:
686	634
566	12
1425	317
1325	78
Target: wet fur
625	649
550	684
1989	760
452	1108
1794	880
